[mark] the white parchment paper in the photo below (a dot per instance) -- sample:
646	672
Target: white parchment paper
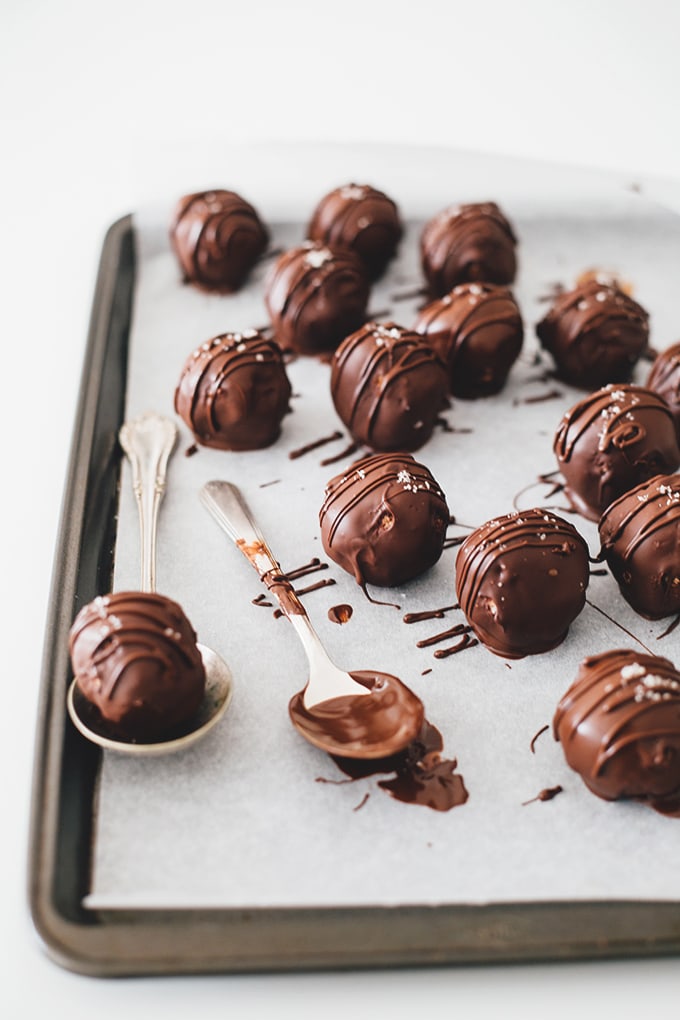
241	820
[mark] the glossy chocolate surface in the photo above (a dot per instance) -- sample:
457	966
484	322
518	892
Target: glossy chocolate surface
612	440
359	217
619	726
521	581
388	387
384	520
640	535
664	379
477	331
217	237
233	391
468	243
315	296
595	334
135	658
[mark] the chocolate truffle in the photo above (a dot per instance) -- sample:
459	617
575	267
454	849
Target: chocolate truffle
217	237
468	243
664	379
361	218
135	658
388	386
612	440
619	726
315	296
595	334
521	580
385	520
477	332
640	535
233	391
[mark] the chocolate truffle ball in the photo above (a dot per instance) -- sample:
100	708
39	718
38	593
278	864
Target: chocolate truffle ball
315	296
388	387
477	332
595	334
135	658
468	243
233	391
385	520
612	440
361	218
619	726
640	535
521	580
664	379
217	237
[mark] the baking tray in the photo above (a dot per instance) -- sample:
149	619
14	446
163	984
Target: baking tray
155	941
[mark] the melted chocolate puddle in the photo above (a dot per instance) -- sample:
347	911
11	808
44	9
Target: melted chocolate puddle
340	614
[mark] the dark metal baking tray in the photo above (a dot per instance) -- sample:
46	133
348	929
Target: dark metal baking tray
157	941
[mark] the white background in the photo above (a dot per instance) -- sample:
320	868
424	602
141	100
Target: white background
102	106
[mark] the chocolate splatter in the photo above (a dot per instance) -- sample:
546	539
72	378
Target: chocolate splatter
535	737
465	642
670	628
340	614
361	802
314	445
426	671
347	452
546	794
262	600
191	450
307	568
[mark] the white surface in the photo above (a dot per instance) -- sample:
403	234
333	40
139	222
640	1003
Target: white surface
101	106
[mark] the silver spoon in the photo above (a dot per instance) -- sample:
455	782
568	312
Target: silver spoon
365	714
148	442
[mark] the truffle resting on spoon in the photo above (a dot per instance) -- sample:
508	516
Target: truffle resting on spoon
233	391
384	520
361	218
468	243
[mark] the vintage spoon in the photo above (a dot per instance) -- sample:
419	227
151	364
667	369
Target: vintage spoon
148	442
365	714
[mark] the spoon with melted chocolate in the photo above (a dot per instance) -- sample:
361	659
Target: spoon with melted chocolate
143	685
363	714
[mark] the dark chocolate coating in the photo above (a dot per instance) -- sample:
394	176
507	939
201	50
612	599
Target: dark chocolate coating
521	580
315	296
477	331
664	379
640	536
612	440
384	521
135	658
217	237
233	391
361	218
388	386
619	726
595	334
468	243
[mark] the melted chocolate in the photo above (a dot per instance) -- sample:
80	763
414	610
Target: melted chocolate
619	726
595	333
468	243
233	392
664	379
217	237
465	642
540	398
612	440
340	614
521	580
309	447
429	614
388	387
435	639
361	218
384	521
532	745
347	452
548	794
477	331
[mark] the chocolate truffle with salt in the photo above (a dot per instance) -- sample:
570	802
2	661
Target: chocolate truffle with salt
477	331
217	237
521	581
361	218
135	659
595	334
233	391
468	243
619	727
384	521
388	387
664	379
640	536
612	440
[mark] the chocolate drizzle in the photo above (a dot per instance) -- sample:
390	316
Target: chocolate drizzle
314	445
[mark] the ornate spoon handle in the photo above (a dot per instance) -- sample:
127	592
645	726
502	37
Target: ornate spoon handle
148	442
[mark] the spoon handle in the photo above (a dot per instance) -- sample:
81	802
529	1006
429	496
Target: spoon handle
148	442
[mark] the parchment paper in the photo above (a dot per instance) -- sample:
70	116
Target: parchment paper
241	819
